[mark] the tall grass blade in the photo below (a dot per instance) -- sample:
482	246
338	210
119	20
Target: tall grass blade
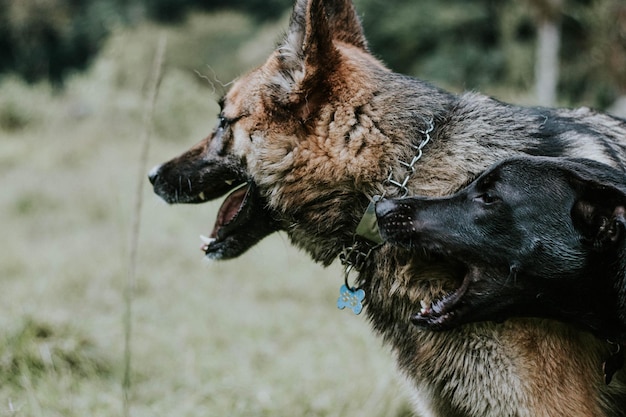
148	115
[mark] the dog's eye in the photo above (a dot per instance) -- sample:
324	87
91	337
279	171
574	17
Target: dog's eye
486	199
222	123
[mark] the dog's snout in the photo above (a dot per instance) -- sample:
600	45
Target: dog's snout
154	174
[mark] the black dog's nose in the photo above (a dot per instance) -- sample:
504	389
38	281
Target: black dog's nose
154	174
384	207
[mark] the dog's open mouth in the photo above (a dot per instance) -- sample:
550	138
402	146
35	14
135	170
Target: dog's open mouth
396	223
244	217
441	313
233	213
242	220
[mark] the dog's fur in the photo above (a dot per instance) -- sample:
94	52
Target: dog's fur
316	130
542	237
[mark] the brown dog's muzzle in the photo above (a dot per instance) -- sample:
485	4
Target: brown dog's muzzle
196	176
202	174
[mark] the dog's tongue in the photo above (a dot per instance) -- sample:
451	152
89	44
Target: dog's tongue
229	210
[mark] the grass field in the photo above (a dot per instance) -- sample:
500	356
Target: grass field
258	336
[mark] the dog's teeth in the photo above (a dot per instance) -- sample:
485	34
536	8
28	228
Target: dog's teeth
229	182
425	306
201	195
207	240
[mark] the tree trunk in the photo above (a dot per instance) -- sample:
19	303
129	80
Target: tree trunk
548	45
547	62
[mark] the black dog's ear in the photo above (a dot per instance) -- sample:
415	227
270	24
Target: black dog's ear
600	222
599	212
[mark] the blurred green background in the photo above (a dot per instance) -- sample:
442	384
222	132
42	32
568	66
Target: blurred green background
476	44
257	336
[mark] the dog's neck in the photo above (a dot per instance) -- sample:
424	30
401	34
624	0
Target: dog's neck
367	238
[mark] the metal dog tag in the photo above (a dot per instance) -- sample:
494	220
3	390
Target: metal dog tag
351	298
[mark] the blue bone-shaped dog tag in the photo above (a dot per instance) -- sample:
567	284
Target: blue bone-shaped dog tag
351	298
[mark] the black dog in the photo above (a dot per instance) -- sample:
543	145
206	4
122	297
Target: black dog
543	237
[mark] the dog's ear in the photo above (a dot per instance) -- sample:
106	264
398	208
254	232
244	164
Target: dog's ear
307	57
345	25
601	223
312	18
599	212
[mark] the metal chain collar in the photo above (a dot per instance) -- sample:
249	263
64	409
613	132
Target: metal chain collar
353	257
410	166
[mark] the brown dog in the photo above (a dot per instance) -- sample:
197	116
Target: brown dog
315	132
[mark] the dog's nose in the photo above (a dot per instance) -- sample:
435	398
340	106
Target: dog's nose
154	174
384	207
